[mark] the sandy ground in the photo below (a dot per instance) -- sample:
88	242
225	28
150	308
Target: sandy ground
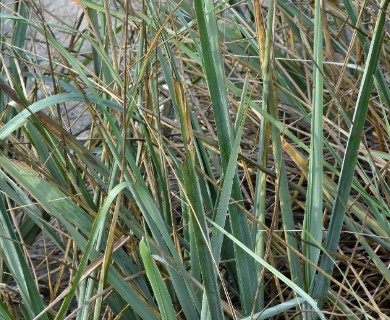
67	13
56	12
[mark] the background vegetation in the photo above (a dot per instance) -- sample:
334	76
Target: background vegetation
195	160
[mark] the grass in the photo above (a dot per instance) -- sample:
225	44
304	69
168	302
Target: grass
195	160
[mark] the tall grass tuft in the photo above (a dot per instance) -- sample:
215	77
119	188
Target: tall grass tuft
194	160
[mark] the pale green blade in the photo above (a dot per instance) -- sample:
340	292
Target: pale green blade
321	286
159	288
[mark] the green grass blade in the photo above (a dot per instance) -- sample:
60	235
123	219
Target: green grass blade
19	37
186	293
312	231
21	119
4	313
212	66
97	228
203	247
350	158
18	266
298	290
380	81
227	184
276	310
224	199
159	288
208	265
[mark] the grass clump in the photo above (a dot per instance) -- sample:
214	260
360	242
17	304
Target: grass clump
194	160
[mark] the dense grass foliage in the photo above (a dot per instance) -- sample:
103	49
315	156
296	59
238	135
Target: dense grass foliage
195	160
